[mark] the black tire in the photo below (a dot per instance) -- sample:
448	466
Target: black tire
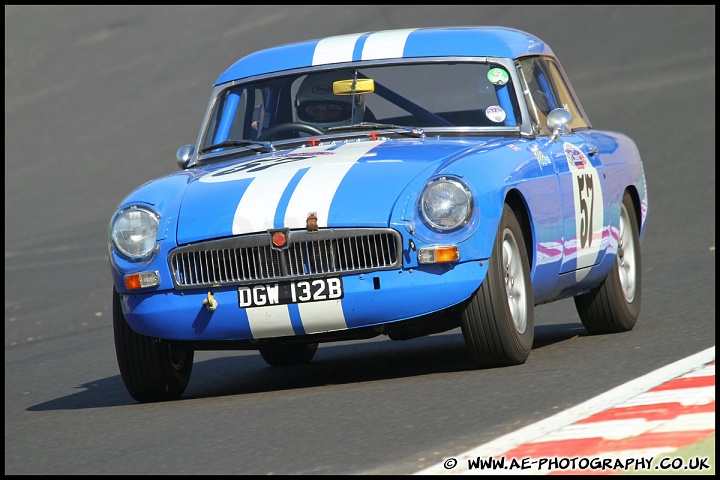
153	370
498	321
279	355
614	305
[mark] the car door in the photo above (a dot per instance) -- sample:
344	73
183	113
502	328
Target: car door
576	163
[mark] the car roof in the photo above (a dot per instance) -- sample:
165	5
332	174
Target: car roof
470	41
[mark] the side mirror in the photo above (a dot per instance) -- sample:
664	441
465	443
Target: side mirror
558	122
185	155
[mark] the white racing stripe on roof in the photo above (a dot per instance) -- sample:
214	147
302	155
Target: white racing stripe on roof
386	44
335	49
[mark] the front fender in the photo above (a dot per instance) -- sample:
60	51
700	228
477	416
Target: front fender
162	196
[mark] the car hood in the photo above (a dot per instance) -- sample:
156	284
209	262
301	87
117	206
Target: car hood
354	184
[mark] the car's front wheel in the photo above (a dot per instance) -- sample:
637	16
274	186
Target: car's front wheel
614	305
281	355
498	321
153	370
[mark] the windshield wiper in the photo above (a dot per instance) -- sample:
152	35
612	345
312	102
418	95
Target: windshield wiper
410	131
262	147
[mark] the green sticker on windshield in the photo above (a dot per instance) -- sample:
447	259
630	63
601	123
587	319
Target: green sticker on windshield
498	76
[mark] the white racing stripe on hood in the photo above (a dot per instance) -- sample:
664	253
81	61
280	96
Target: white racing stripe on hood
386	44
256	210
314	193
317	188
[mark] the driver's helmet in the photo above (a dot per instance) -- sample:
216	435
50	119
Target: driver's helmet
316	104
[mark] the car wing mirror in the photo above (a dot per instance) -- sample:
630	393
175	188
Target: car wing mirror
185	156
558	122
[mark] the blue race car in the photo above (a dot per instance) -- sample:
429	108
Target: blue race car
400	183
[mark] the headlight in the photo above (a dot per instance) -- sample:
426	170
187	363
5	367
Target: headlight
445	204
134	232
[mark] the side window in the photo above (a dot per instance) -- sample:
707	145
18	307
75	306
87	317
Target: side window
567	100
545	89
538	95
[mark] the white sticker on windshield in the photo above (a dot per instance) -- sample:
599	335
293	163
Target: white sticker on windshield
495	113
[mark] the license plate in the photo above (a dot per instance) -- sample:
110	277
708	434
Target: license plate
282	293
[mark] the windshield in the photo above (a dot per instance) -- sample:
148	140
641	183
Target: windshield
424	95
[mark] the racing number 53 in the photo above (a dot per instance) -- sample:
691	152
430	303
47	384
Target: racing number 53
586	197
588	218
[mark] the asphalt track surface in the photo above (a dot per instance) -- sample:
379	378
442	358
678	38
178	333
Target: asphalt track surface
97	101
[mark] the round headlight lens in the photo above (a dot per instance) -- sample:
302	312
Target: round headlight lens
446	204
134	232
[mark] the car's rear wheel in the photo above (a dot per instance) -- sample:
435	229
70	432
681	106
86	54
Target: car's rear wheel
153	370
498	321
280	355
614	305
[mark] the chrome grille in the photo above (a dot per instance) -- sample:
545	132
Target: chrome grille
252	258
